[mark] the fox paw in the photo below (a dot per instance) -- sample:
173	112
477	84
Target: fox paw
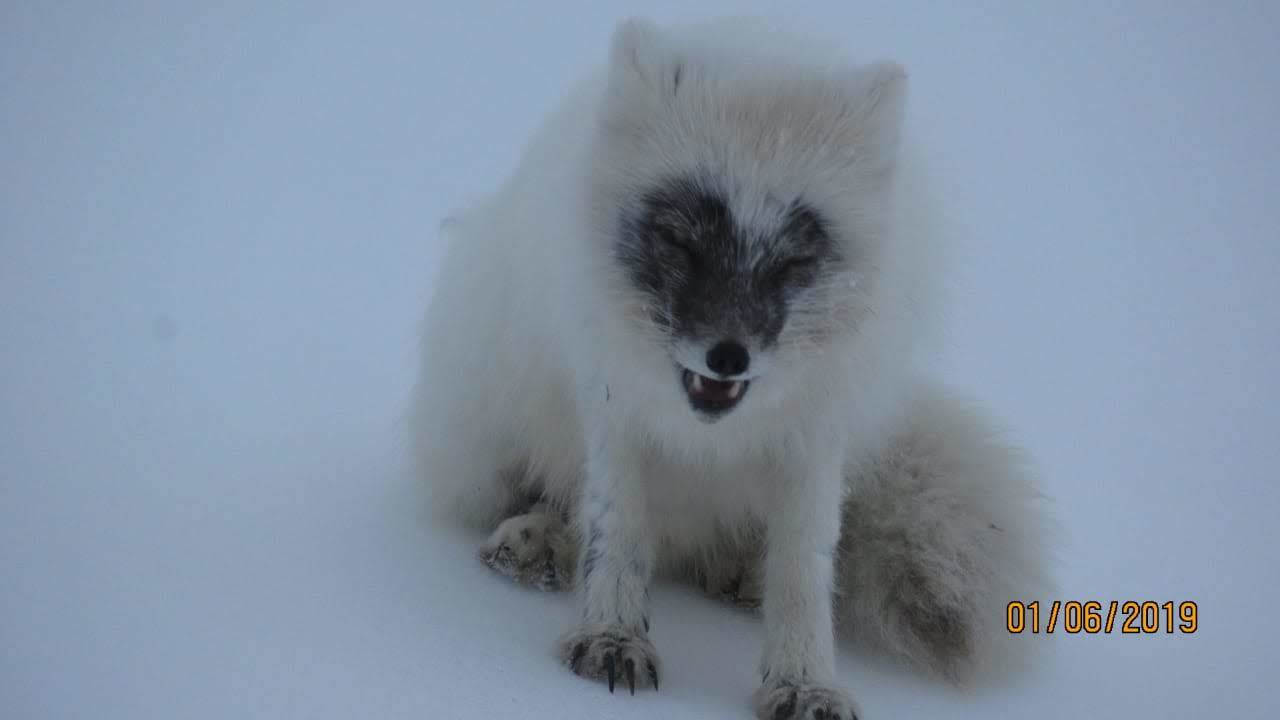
784	701
742	592
611	653
737	586
534	549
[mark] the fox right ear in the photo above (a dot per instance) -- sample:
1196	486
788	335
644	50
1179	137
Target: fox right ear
641	59
873	114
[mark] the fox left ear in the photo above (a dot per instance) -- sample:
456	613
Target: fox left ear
877	104
640	59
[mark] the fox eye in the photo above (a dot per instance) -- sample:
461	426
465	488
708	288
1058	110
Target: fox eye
677	242
795	270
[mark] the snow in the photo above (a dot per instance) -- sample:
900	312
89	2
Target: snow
217	232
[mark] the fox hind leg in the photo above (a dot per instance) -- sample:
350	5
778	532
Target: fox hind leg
534	548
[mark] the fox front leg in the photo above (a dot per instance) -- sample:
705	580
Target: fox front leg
612	641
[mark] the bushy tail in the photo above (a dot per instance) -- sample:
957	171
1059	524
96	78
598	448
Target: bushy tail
940	533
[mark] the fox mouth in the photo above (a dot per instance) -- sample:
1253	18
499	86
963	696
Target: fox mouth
712	397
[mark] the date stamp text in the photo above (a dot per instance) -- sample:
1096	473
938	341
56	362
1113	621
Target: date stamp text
1128	618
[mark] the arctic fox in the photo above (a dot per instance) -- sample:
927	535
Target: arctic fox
679	339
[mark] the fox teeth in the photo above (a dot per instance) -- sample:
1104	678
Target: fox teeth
734	389
697	383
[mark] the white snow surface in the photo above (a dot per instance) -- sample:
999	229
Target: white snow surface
218	233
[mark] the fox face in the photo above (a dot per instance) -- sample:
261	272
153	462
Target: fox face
743	207
721	293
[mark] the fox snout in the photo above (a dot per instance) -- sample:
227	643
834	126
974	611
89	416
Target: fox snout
728	358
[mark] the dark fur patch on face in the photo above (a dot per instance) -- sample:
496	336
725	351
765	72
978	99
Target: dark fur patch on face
706	276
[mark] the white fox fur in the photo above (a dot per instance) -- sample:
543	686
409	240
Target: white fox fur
546	393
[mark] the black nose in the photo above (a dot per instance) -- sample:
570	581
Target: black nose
728	358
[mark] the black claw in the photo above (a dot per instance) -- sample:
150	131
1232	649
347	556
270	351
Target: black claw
629	669
579	652
819	714
653	675
608	666
787	709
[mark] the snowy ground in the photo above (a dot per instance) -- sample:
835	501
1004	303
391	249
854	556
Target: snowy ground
217	233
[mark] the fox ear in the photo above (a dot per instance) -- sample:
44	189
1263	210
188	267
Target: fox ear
877	97
640	58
